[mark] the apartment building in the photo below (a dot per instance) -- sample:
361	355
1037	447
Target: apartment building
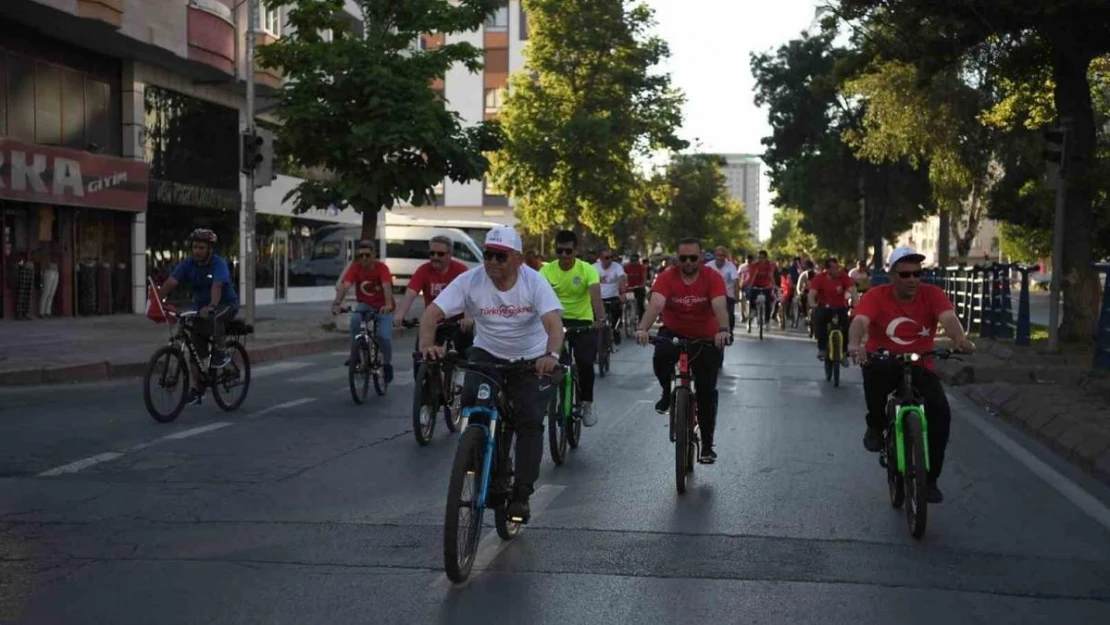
742	176
924	236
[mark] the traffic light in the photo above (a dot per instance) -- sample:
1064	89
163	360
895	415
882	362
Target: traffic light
267	171
1057	151
251	152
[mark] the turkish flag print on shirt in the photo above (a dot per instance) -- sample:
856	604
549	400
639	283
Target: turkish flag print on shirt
430	282
901	327
370	284
689	308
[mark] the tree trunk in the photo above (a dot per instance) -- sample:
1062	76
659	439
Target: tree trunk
944	242
370	224
1072	96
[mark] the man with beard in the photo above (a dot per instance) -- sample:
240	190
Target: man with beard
429	279
692	298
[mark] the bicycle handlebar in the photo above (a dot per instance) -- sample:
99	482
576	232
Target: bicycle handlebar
680	342
415	323
909	357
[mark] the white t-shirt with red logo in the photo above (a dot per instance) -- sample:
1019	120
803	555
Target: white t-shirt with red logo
689	308
610	279
507	323
901	327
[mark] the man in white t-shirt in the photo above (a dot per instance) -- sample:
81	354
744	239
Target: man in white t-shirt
745	277
731	275
613	285
517	316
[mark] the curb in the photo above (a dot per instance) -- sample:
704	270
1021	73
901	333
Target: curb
1053	426
95	371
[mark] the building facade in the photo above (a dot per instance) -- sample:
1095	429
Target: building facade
924	236
742	176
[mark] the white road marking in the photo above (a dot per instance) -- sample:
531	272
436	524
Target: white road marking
85	463
1073	493
195	431
637	405
490	546
282	406
278	367
327	374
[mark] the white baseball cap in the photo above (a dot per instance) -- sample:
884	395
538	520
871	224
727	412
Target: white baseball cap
907	254
504	238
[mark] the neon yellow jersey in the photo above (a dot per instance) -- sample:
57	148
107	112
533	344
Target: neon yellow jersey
573	287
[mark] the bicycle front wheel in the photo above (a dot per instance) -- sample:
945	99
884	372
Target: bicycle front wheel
425	403
380	385
917	475
680	415
557	424
358	371
462	526
168	371
233	381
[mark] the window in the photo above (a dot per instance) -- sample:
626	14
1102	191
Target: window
463	253
499	21
523	22
270	20
494	98
407	248
325	249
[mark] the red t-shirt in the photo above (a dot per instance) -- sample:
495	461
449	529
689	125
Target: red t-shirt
689	309
370	284
903	326
637	274
762	274
787	285
832	291
430	282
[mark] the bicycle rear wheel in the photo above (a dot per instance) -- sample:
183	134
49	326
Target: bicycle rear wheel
574	425
506	528
917	476
896	489
680	414
425	404
452	410
557	424
358	371
380	385
237	374
461	532
762	312
170	371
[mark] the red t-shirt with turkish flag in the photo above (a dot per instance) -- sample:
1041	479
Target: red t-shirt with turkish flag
901	327
430	282
832	291
370	284
637	274
689	308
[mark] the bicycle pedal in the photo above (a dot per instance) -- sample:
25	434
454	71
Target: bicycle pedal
883	461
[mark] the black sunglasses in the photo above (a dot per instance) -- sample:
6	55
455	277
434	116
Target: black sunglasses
564	251
436	254
906	275
364	255
691	258
494	255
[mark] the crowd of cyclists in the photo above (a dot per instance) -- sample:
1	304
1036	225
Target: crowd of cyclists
515	307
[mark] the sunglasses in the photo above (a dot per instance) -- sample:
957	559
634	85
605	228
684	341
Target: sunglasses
436	254
564	251
906	275
691	258
495	256
365	255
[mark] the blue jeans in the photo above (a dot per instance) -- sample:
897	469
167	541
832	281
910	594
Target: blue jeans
385	329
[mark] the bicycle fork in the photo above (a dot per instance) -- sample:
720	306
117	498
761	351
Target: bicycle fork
900	414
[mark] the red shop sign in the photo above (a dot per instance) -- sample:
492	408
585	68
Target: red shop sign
50	175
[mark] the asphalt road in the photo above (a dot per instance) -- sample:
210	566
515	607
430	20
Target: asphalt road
303	508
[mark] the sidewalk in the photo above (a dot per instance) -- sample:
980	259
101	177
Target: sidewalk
57	351
1057	398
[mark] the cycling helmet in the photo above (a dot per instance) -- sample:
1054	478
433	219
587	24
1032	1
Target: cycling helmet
203	234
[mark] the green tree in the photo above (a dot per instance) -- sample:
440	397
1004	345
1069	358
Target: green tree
361	107
589	101
1022	244
1065	36
789	238
696	203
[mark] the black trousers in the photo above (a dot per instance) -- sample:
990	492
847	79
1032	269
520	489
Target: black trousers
821	321
584	345
530	394
730	303
613	312
462	340
214	325
639	293
705	362
768	304
879	381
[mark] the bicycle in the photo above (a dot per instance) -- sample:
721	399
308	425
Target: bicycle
686	439
780	308
484	458
630	320
564	411
796	311
834	358
906	440
759	312
436	387
181	357
366	358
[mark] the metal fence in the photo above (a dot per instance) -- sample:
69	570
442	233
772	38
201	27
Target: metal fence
1102	347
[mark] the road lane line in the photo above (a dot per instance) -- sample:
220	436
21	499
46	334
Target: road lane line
85	463
281	406
195	431
491	545
278	367
1072	492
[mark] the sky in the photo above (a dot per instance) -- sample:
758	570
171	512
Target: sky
711	42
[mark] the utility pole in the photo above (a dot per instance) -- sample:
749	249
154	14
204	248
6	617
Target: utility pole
246	223
1058	137
863	221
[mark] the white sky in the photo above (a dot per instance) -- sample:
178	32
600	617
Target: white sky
711	41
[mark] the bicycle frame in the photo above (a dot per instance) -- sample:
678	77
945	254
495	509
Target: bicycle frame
490	429
900	414
836	338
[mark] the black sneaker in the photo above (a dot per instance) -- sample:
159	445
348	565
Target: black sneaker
664	403
220	359
519	511
194	398
708	456
935	496
873	440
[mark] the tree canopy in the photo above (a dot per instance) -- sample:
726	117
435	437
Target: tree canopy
692	200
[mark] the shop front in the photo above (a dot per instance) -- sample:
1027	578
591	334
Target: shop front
67	218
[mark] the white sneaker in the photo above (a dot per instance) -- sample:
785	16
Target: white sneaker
588	418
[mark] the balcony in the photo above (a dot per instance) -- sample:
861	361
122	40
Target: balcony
107	11
211	34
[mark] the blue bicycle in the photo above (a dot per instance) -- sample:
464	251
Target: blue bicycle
481	476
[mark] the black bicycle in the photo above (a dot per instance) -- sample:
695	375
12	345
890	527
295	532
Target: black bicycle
629	319
905	452
482	473
684	430
171	364
835	356
366	358
564	411
436	387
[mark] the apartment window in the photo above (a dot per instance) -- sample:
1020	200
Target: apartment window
499	21
494	99
270	20
523	22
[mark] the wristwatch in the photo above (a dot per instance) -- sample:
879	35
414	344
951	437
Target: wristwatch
552	354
